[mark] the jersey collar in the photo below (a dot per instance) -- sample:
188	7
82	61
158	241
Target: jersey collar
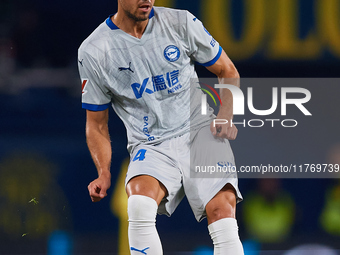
113	26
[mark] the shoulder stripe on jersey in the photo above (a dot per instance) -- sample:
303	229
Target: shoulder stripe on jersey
94	107
213	61
113	26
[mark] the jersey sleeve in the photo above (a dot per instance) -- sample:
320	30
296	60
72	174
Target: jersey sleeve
203	48
95	96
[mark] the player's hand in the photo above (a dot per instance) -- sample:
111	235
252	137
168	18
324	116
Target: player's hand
98	188
224	130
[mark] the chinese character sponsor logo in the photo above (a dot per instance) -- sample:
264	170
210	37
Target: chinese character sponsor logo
139	89
160	82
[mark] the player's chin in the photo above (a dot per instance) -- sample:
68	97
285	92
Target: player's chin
143	17
139	18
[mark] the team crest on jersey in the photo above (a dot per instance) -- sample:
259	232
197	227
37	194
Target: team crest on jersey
172	53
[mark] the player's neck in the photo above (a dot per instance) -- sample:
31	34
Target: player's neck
130	26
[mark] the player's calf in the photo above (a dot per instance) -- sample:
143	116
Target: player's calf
224	234
143	236
223	227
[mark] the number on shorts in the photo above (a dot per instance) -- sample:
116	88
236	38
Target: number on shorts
140	155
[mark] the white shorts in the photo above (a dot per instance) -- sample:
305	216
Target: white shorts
181	165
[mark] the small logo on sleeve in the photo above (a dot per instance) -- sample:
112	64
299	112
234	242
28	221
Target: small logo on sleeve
83	85
172	53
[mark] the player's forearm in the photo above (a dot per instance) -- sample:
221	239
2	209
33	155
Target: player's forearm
226	109
99	144
227	73
228	76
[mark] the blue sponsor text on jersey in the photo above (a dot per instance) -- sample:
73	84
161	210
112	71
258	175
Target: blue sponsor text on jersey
160	82
146	129
213	42
225	164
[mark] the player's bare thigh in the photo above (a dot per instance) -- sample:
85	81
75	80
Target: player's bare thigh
147	186
222	205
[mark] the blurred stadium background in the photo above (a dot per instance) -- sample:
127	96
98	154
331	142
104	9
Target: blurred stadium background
45	166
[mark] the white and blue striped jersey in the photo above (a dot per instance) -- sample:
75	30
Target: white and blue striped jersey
147	80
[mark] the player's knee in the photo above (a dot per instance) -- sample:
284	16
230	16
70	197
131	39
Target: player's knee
223	205
142	209
219	212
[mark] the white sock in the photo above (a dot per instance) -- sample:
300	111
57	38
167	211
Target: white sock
224	234
143	236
